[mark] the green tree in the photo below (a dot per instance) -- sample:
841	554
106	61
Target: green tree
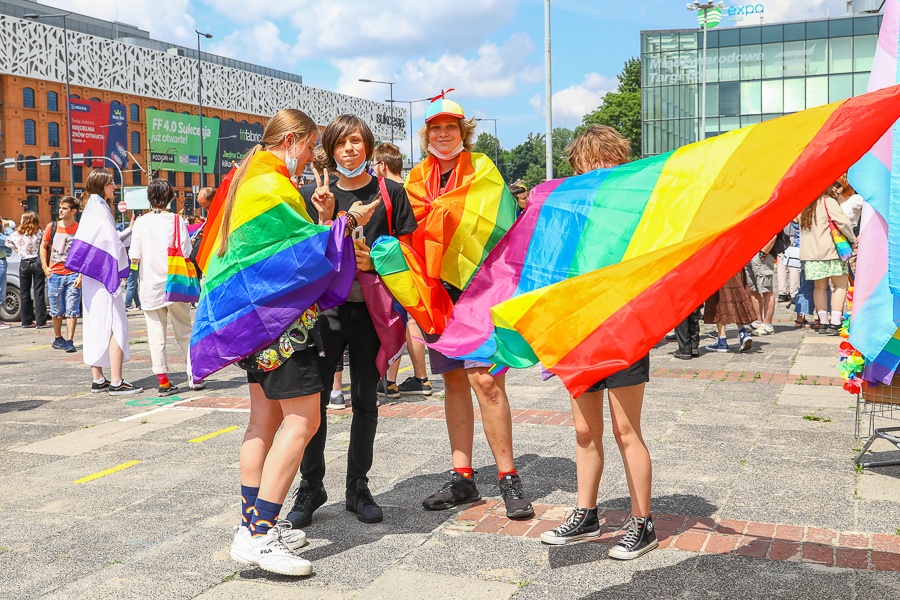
622	109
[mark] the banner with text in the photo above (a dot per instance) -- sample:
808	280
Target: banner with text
175	141
99	129
235	140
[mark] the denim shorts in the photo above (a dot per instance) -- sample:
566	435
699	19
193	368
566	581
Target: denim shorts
65	298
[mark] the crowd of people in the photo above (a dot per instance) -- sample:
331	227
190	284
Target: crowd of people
359	196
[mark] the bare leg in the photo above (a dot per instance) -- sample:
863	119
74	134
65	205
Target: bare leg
97	373
460	417
495	415
820	294
301	420
416	349
587	412
768	300
265	419
338	384
625	408
57	326
116	358
756	299
720	330
839	292
71	322
391	374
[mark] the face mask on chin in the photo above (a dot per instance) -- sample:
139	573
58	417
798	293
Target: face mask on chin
291	163
354	173
449	155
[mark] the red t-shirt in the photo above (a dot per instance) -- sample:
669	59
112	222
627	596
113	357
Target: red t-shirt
58	248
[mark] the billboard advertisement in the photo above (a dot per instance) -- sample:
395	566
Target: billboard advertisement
235	140
175	141
99	129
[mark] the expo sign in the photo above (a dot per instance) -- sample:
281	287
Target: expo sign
737	13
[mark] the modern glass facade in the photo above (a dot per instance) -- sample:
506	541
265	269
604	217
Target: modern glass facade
754	73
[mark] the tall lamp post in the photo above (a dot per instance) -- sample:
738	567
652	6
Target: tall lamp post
548	91
35	17
200	101
497	139
390	83
410	102
705	21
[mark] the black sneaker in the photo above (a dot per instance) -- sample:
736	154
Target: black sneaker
123	389
387	389
833	330
167	390
413	386
518	506
361	502
58	344
459	490
96	388
306	500
582	523
638	541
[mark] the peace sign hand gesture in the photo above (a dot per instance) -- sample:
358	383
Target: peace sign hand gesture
323	198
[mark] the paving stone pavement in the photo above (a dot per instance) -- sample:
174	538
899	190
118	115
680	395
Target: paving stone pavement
755	494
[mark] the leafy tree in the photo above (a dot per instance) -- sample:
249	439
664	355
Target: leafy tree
622	109
489	145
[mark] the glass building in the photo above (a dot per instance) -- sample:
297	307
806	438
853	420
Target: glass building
753	73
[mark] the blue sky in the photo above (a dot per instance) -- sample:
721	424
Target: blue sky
491	51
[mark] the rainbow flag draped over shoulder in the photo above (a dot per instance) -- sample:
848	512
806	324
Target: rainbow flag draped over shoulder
456	232
875	323
214	221
600	266
277	265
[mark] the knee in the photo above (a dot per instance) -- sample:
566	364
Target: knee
584	437
486	389
625	435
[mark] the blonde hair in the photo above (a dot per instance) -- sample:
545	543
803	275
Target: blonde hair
598	144
29	225
466	132
285	121
96	184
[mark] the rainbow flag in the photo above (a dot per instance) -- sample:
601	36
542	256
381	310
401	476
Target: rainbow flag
457	230
875	322
213	221
600	266
277	265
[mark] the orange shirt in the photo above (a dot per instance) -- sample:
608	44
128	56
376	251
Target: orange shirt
58	248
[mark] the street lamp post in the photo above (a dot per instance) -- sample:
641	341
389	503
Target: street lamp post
704	23
390	83
200	100
497	139
35	17
410	102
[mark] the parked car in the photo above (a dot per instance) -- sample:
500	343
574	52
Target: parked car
12	303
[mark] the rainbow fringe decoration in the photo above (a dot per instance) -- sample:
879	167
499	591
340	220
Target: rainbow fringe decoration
600	266
456	232
278	264
852	362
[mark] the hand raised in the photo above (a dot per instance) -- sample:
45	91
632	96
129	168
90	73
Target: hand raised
323	198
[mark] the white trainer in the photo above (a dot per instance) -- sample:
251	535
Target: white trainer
269	552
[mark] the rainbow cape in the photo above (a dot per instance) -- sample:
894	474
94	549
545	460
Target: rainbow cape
875	322
456	232
600	266
277	265
213	221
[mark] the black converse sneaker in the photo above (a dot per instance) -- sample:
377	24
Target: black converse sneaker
459	490
638	541
518	506
582	523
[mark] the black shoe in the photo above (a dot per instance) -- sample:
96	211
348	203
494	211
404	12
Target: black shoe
459	490
360	501
96	388
58	344
833	330
684	355
581	524
387	389
518	506
167	390
671	337
784	298
638	541
123	389
413	386
306	500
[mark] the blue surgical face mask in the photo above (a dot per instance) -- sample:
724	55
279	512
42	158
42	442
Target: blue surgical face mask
355	172
291	163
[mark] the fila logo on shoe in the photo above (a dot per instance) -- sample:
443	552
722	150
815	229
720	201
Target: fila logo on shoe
265	551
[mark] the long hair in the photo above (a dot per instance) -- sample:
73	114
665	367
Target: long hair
29	225
808	215
285	121
96	184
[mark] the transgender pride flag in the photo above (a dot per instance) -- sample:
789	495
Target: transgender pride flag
875	324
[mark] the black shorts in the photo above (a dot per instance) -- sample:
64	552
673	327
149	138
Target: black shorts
298	376
636	374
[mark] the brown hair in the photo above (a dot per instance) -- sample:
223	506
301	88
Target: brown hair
466	132
808	215
71	202
206	193
285	121
390	155
846	189
339	129
320	158
29	224
598	144
159	194
96	184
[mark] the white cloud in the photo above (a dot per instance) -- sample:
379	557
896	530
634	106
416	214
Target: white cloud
572	103
177	27
259	43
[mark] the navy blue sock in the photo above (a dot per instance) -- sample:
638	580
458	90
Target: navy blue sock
264	515
248	500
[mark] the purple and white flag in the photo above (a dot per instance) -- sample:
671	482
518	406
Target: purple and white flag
96	251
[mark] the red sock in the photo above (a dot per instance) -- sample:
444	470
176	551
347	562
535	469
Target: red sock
502	475
465	472
163	379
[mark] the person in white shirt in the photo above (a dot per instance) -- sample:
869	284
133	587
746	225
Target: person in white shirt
151	238
851	202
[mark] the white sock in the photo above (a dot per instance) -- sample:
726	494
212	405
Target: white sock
837	317
99	381
823	316
120	382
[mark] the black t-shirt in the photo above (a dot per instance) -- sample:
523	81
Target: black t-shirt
402	216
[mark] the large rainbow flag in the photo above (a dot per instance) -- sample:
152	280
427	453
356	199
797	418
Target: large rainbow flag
600	266
875	323
457	230
277	265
